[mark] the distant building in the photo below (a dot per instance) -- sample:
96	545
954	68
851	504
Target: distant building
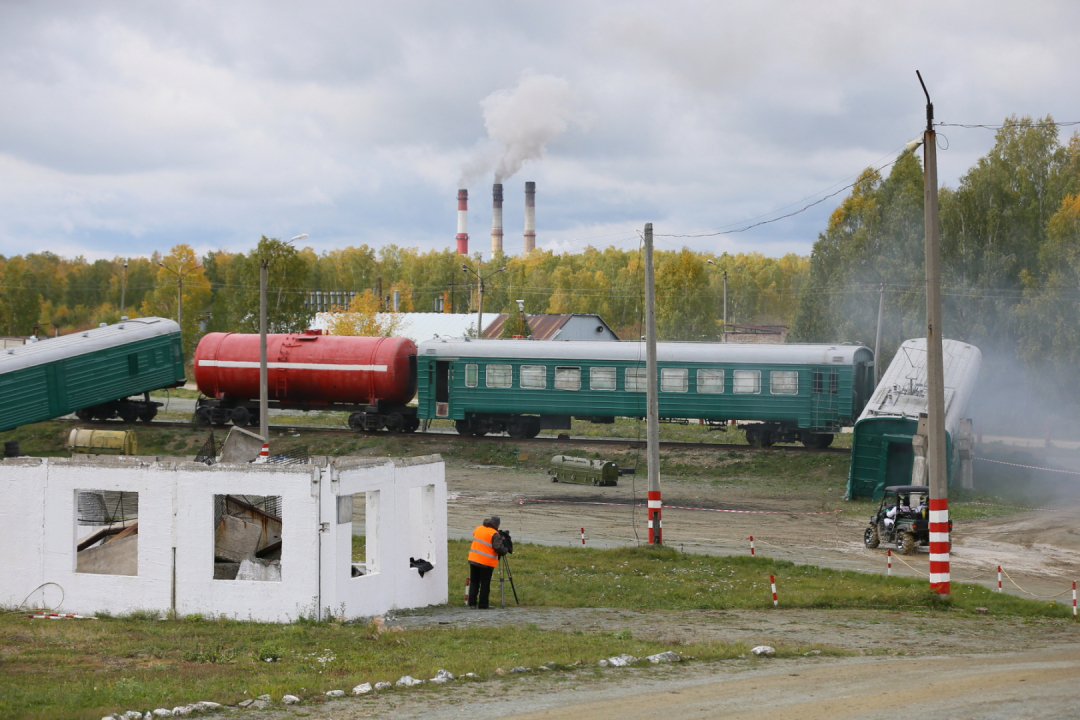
757	334
11	341
556	327
420	326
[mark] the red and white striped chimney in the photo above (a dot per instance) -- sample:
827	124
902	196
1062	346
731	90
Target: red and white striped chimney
496	218
463	222
530	217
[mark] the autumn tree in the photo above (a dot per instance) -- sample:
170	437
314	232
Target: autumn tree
193	293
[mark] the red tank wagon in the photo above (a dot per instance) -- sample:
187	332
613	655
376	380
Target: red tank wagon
372	378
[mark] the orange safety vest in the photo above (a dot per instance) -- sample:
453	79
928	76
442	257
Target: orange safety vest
481	550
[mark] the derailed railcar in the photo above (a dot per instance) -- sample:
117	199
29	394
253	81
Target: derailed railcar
881	449
783	393
92	373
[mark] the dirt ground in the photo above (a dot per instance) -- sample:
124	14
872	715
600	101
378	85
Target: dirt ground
932	665
1040	551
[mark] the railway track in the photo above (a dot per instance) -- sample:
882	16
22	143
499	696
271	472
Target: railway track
537	441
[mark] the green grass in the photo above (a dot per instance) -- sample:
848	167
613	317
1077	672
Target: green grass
664	579
87	669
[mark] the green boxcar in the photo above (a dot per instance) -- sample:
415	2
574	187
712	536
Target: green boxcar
881	450
785	393
91	372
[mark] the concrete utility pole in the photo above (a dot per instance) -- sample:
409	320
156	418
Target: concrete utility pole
123	288
880	314
478	272
724	332
652	404
179	290
264	392
935	370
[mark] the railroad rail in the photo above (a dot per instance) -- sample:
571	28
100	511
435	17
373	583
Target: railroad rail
537	441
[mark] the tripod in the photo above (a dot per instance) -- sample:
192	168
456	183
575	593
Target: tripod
504	565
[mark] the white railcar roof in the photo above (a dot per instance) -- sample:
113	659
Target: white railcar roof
80	343
902	390
635	351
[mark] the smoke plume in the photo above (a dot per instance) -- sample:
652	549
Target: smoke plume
520	122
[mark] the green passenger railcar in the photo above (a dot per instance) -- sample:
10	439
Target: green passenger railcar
91	373
784	393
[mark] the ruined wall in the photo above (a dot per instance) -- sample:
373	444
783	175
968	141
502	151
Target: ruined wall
175	547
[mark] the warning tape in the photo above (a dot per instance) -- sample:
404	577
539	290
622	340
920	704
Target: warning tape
1011	507
1028	467
55	616
522	501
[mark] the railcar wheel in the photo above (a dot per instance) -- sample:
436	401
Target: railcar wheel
905	543
356	421
464	427
128	413
241	416
395	423
533	428
816	441
871	539
84	415
412	424
148	413
517	430
202	416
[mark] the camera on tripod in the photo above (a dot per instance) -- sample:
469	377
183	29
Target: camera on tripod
508	542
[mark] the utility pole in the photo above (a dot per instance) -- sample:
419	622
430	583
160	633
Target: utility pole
264	393
123	289
725	306
652	404
935	372
480	290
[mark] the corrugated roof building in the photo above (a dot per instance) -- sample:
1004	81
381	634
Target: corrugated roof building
556	327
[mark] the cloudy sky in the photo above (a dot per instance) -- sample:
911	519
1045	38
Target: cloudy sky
130	127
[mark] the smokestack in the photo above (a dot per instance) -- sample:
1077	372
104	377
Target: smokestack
463	222
496	218
530	217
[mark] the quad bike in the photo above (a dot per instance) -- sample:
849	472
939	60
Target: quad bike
907	507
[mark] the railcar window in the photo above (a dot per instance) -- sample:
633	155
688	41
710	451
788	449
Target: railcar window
499	376
471	375
819	383
834	384
674	379
567	378
602	378
534	377
133	364
784	382
710	381
636	379
746	382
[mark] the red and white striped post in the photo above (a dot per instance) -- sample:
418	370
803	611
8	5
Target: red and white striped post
939	545
264	454
1074	599
466	591
772	581
888	554
999	578
656	528
751	546
582	537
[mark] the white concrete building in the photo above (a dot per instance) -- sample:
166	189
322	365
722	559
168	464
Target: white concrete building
403	503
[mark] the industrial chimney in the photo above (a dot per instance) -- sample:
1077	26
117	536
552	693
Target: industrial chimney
496	218
530	217
463	222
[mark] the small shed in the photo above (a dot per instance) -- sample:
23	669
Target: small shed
570	326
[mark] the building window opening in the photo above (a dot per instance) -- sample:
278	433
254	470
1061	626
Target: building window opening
107	532
247	537
361	510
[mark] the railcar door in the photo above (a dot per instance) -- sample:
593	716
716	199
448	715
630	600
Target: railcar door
442	389
824	396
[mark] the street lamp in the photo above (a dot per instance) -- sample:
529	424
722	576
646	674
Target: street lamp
880	312
480	278
264	394
725	298
123	288
180	291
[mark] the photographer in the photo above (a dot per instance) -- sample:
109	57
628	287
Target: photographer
488	545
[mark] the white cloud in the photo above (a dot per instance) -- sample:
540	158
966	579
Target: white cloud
134	125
